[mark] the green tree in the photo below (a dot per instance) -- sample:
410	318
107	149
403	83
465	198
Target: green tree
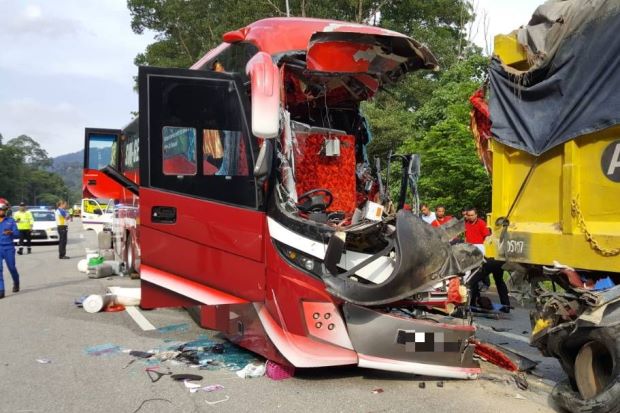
34	155
11	161
23	174
451	172
187	29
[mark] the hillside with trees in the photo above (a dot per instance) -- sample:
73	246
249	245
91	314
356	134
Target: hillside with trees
25	173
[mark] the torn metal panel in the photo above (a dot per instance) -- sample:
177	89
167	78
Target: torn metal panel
427	347
384	56
422	259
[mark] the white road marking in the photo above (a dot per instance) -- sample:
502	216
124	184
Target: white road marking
139	318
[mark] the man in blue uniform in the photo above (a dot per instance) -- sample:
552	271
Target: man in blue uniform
8	232
61	221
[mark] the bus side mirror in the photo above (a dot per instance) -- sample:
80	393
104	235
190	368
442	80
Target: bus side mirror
265	76
264	159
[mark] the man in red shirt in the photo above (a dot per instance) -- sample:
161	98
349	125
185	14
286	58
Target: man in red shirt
475	229
440	216
475	232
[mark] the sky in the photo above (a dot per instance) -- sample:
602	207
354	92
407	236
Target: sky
68	64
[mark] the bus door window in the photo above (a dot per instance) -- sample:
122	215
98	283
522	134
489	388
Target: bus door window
224	153
179	151
102	151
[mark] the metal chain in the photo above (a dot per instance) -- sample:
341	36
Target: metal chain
576	213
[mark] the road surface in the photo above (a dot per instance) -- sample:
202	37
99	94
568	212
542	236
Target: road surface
45	366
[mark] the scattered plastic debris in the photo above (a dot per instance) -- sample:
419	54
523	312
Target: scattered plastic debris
604	284
150	400
225	399
114	308
186	377
276	371
155	375
174	328
252	370
503	357
78	301
500	329
95	303
44	361
103	350
521	381
377	391
195	387
140	354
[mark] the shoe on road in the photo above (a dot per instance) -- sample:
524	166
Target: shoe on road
1	293
16	288
20	252
65	258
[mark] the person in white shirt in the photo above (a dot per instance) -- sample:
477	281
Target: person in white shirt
426	214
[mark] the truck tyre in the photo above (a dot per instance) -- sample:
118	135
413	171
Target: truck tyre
596	375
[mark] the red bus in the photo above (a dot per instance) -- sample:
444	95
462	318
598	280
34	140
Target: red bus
258	203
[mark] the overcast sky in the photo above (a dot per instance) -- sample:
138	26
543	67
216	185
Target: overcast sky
68	64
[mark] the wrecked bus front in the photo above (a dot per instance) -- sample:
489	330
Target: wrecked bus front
271	218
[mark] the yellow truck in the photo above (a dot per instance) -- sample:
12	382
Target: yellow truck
550	138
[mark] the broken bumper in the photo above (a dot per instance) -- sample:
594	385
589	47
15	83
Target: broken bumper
411	345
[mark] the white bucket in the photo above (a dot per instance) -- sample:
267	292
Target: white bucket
82	266
95	303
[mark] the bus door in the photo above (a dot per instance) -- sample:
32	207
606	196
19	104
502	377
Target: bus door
101	149
201	222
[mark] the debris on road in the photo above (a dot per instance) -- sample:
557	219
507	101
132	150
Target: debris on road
252	370
150	400
225	399
521	381
95	303
44	361
277	371
173	328
126	296
503	357
186	377
141	354
103	350
422	385
155	375
195	387
440	384
377	391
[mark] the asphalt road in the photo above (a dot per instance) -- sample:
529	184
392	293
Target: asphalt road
42	323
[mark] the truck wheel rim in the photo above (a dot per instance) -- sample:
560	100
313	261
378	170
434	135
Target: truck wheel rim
593	369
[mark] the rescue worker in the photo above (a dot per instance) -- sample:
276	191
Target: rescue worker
24	220
8	232
62	215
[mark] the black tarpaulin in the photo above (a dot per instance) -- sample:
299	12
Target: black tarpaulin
573	86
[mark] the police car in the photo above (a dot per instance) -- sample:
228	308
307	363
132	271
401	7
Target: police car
44	226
